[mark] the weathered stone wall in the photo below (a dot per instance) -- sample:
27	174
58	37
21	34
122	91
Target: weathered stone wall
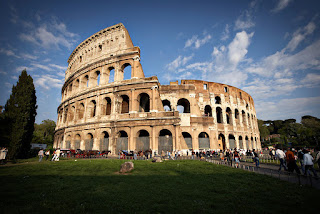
97	110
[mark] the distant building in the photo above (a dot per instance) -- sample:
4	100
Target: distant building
38	146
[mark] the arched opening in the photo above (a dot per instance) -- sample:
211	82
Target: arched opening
252	143
217	100
188	139
88	142
204	141
65	116
247	107
125	104
104	141
165	141
97	77
106	106
143	141
244	118
111	74
68	142
61	142
81	111
247	143
144	102
229	115
183	106
241	142
70	89
77	141
219	114
222	142
249	122
208	111
76	85
86	81
92	109
122	141
126	68
255	143
232	142
71	113
236	114
166	105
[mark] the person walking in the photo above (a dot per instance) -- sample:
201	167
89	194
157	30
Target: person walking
40	154
291	161
281	155
47	153
3	154
317	158
256	158
236	157
308	163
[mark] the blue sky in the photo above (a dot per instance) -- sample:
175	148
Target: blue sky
270	49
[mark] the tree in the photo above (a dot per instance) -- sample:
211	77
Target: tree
44	132
20	112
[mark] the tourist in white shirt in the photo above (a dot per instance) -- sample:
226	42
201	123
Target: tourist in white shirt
281	155
308	163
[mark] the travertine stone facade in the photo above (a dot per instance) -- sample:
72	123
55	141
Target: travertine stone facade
100	110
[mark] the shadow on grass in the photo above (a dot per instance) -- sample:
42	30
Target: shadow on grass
171	187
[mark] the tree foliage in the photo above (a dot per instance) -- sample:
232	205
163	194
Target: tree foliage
44	132
306	133
19	116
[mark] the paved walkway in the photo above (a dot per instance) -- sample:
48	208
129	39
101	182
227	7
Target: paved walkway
272	170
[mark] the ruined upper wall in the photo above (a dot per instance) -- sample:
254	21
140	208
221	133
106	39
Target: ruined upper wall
109	43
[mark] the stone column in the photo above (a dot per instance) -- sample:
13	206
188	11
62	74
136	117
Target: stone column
132	98
104	75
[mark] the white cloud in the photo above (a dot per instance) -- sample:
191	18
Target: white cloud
59	67
299	35
43	67
49	35
225	34
178	62
8	85
8	52
238	48
286	108
282	4
311	80
48	81
21	68
197	43
3	72
14	77
28	56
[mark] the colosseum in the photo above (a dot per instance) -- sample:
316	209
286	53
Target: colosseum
102	110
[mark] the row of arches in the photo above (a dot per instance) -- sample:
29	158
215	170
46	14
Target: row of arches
204	141
98	77
142	141
183	106
79	110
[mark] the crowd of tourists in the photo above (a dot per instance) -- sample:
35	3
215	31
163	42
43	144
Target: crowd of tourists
289	157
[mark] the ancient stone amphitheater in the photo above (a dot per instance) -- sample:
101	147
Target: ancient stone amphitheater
100	110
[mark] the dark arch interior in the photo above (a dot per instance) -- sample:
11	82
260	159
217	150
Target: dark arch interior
203	135
166	105
185	104
165	132
208	111
123	134
143	133
125	104
144	103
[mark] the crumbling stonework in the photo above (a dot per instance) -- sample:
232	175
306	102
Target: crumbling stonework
102	111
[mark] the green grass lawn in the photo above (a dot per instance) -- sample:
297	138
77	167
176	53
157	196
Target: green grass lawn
93	186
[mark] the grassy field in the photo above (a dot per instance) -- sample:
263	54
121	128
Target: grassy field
94	186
